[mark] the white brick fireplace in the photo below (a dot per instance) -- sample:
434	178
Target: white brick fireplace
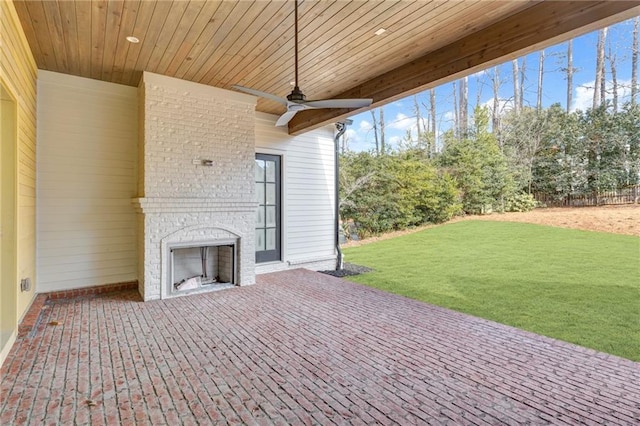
195	184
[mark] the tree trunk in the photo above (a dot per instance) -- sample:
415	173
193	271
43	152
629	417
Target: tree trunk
599	86
516	88
464	106
375	130
456	111
569	74
523	67
603	80
479	86
634	62
614	79
540	74
496	100
434	130
383	148
416	110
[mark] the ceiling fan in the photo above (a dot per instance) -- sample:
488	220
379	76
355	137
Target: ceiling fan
296	100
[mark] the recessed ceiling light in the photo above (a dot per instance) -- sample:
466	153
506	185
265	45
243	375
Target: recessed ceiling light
380	31
132	39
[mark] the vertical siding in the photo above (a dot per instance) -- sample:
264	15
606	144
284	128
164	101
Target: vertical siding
87	162
308	188
18	72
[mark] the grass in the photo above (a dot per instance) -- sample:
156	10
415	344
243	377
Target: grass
577	286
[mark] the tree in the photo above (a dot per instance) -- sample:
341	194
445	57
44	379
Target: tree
383	147
603	77
496	100
516	87
479	87
634	61
478	166
375	130
363	195
464	106
559	166
456	111
570	71
629	120
378	130
434	130
523	68
608	144
416	112
522	139
540	74
599	90
424	195
614	78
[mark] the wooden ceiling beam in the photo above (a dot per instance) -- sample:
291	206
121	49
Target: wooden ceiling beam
541	25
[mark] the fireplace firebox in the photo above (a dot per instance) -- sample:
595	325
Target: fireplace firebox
201	266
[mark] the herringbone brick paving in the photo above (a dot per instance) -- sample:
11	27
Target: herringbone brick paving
301	348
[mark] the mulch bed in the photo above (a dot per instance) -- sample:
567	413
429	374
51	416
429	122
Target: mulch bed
347	270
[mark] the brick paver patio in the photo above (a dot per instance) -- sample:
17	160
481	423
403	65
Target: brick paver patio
301	348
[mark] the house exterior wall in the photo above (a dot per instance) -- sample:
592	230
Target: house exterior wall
87	149
308	167
90	169
18	75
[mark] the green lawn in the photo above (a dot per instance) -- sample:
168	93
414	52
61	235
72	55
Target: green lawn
578	286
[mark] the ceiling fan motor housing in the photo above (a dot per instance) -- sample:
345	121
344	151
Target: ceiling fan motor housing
296	95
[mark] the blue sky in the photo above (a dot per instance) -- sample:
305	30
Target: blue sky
399	115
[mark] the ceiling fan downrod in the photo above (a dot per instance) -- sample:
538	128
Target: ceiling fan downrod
296	100
296	94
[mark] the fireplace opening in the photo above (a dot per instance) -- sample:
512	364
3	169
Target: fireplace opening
202	266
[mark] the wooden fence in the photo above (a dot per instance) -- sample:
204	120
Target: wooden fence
628	195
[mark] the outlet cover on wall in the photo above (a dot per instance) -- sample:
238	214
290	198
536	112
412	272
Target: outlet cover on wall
25	284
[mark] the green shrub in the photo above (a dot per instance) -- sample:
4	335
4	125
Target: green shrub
393	192
520	202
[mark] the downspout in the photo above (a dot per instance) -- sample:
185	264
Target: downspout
341	126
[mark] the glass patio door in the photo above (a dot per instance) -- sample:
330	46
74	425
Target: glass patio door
268	215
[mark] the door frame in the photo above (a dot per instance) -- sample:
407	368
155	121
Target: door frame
277	254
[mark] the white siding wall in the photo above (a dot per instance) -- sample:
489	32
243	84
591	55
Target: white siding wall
308	193
87	161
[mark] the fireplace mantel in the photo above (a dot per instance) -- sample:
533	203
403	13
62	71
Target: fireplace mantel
192	205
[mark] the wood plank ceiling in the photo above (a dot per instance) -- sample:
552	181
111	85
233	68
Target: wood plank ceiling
222	43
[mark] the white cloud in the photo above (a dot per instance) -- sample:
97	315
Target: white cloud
583	99
365	125
353	140
351	135
448	116
402	122
504	106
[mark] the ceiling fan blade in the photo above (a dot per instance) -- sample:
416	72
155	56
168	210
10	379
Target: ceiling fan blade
285	118
260	94
339	103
